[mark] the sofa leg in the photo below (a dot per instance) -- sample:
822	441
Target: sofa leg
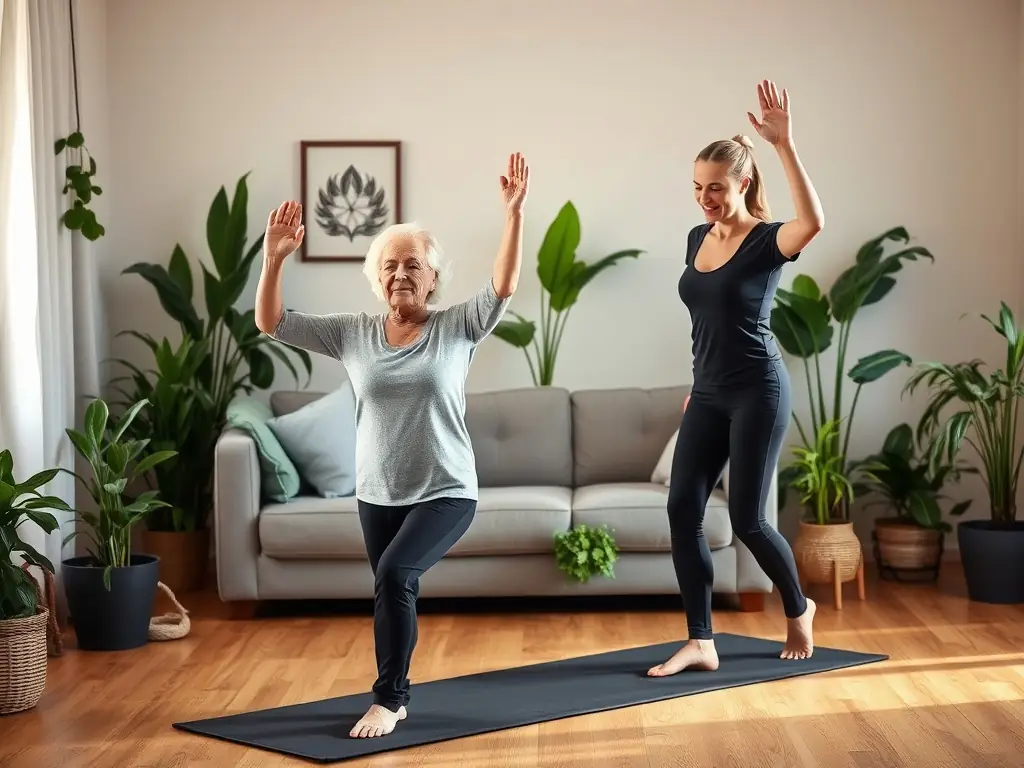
243	610
752	601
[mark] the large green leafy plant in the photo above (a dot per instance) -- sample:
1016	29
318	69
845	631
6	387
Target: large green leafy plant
562	277
987	405
217	358
908	484
19	503
115	460
807	322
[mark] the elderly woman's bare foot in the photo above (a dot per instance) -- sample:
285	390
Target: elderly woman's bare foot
378	721
800	635
696	655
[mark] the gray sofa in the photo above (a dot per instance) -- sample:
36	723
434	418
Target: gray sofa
547	459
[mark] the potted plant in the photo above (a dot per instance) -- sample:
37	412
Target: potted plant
181	418
987	407
110	591
584	552
910	539
807	322
194	381
826	549
23	620
562	277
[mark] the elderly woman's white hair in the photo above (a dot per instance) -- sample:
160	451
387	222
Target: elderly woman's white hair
379	247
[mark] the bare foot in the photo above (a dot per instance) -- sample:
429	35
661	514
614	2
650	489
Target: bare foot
696	654
799	635
378	721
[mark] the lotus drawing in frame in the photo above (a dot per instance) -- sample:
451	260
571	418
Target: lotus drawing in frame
351	192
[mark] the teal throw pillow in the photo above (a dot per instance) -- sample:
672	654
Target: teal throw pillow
279	477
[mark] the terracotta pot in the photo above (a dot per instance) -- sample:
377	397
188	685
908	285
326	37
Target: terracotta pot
184	557
23	659
819	549
904	545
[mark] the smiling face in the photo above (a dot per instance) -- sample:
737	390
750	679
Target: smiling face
406	276
717	191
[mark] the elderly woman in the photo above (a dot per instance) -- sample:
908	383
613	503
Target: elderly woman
416	481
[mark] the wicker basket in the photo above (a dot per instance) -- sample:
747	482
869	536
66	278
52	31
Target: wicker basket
906	546
23	659
819	549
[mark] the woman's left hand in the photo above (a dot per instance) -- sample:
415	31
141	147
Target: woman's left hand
774	126
515	185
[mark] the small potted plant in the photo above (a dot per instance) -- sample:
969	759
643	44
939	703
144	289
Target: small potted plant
23	621
584	552
910	539
111	590
826	549
986	417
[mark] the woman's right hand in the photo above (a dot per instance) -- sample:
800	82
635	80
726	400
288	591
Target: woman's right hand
686	402
285	231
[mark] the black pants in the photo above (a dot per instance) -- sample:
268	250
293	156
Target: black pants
402	543
745	427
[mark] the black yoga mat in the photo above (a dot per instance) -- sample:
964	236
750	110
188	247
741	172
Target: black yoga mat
492	701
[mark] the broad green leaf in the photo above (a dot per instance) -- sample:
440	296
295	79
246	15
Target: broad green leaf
558	249
875	366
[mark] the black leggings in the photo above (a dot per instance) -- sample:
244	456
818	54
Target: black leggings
402	543
745	427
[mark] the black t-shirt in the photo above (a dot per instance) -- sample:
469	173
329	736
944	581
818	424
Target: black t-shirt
730	309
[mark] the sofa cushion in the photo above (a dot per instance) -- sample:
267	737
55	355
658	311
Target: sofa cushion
320	438
619	434
311	527
509	521
636	514
517	521
521	436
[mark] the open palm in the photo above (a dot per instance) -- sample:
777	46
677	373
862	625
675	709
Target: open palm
774	126
285	231
515	185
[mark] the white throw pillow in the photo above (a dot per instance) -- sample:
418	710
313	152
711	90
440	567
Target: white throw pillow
663	470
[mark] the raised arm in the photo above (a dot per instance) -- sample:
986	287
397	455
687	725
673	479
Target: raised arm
508	263
321	334
775	128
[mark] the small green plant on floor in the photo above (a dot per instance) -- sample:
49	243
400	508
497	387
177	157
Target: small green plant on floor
584	552
115	463
20	502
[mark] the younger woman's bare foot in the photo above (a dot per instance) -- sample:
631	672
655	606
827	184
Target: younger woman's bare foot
378	721
800	635
696	654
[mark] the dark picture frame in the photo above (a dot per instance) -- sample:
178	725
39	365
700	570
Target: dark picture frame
350	192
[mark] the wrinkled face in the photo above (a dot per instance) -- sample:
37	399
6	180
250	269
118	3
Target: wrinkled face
405	275
719	195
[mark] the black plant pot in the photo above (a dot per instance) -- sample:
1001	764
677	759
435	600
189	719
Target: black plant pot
993	560
114	620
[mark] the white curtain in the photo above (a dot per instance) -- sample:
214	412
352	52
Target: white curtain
49	321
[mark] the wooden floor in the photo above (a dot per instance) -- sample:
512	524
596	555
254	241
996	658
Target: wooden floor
951	694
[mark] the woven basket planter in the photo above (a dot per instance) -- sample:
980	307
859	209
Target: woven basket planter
23	660
821	550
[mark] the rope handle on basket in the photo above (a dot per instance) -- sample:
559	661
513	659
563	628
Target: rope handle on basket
54	636
170	595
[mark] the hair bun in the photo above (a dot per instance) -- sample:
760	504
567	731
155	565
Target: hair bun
739	138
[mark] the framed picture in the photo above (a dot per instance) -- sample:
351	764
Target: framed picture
351	192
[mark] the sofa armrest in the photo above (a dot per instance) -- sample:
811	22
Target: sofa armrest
749	576
236	509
